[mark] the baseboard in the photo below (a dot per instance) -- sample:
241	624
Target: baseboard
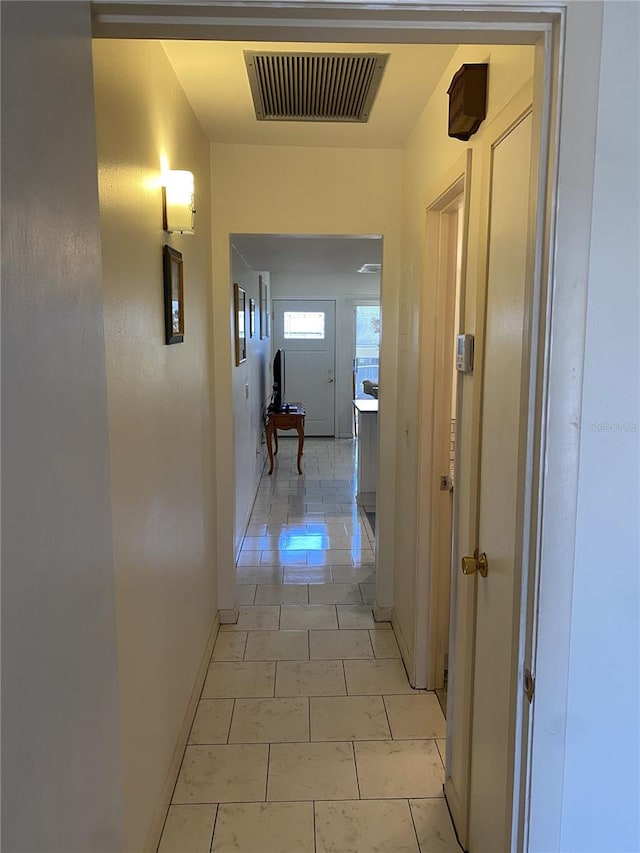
456	811
407	657
229	617
382	614
157	825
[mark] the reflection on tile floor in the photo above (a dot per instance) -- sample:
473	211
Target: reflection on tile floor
308	737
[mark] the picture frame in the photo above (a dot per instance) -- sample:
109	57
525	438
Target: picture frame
240	304
252	317
173	277
264	307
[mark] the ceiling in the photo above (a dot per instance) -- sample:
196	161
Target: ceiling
332	255
214	78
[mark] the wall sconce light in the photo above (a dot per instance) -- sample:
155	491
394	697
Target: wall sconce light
177	202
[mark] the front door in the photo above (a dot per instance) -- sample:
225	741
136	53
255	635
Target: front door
305	330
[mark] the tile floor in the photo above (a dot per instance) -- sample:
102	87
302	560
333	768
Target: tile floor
308	737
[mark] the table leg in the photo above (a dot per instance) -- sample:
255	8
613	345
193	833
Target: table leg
270	432
300	429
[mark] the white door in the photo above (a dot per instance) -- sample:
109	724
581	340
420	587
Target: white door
485	682
495	680
305	330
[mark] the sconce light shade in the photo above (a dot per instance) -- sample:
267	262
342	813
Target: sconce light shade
177	203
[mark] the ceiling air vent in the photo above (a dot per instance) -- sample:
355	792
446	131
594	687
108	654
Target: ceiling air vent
314	86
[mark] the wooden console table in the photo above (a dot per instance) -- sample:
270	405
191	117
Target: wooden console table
283	419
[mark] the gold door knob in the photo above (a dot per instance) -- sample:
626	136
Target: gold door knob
477	563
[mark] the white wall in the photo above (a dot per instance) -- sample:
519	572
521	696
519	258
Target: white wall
429	154
251	390
605	640
160	423
274	190
345	289
61	786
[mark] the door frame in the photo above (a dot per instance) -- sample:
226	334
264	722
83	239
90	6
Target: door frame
530	480
433	335
566	31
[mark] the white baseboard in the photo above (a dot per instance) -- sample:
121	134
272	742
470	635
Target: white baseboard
229	617
407	656
157	825
382	614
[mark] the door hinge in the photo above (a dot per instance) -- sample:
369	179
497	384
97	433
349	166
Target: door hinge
529	685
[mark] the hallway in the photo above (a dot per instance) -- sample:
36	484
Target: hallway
308	737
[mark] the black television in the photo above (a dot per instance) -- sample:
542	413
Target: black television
277	401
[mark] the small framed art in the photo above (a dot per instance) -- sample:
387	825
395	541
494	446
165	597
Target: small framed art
173	295
264	308
252	317
241	324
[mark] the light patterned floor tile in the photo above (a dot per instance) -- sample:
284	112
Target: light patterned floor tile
351	574
368	592
212	720
345	718
355	616
284	593
308	616
392	769
376	677
230	645
277	645
239	680
441	743
280	699
312	771
384	643
259	575
331	557
263	618
310	678
362	557
245	593
335	593
188	829
270	721
433	826
264	828
307	574
234	773
416	716
373	826
249	558
283	558
339	645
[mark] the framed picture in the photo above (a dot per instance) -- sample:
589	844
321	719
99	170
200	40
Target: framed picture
264	308
241	327
173	295
252	317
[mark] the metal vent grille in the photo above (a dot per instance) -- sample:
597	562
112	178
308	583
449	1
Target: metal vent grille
314	86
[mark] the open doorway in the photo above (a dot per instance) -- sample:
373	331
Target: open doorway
306	289
366	355
404	415
450	213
